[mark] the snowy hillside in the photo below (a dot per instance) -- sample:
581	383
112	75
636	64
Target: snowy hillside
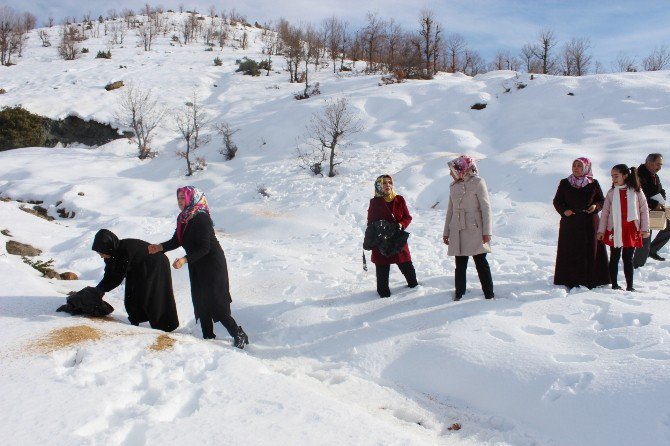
329	362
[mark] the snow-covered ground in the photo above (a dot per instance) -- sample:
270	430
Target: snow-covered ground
329	362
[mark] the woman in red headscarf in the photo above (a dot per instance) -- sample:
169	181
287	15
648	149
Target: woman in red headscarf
581	260
206	262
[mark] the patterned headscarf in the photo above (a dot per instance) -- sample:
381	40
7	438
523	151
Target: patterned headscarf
587	176
195	203
463	166
379	191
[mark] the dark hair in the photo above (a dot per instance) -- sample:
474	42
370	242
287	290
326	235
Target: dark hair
653	157
632	179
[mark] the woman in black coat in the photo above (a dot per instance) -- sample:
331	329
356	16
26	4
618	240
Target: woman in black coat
581	259
148	294
207	268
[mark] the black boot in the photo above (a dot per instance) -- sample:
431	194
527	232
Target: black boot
241	338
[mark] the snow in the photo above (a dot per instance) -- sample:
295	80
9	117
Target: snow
329	362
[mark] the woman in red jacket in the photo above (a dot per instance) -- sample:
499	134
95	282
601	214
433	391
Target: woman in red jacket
389	206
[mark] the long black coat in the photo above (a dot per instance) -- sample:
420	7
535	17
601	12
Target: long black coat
148	295
581	259
207	268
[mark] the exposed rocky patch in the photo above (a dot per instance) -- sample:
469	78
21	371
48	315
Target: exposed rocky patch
21	249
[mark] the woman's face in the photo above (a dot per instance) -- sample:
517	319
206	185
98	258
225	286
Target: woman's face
181	201
387	185
577	168
618	178
104	256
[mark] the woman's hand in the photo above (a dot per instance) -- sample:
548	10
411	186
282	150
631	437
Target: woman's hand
568	213
599	236
486	239
645	234
591	209
153	249
445	239
178	263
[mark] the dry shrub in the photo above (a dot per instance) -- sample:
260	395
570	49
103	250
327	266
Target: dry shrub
163	342
66	337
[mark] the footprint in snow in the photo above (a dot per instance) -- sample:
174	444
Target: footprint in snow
502	336
570	384
540	331
614	342
658	355
557	319
573	357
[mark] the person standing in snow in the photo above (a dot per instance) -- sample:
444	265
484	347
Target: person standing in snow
389	206
148	294
581	259
468	224
207	267
624	222
653	190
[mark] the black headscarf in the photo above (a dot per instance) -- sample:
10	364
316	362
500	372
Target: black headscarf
105	242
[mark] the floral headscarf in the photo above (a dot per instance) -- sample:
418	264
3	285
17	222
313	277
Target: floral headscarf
379	191
463	166
195	203
586	177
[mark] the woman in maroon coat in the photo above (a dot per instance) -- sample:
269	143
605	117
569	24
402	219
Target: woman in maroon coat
387	205
581	260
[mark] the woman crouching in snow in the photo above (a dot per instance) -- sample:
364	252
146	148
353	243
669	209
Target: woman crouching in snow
624	222
207	267
148	295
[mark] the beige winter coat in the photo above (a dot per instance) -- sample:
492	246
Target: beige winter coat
468	217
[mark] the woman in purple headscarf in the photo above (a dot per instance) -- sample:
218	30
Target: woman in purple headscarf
581	259
206	262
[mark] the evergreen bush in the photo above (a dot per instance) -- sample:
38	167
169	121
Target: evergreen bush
104	55
248	66
20	128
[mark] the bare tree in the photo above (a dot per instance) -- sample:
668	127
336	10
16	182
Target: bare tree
44	37
625	63
371	36
327	132
658	60
454	48
270	43
430	37
394	37
68	48
527	57
147	33
542	50
473	63
333	31
575	60
50	21
189	122
293	49
229	149
112	14
29	21
138	109
9	27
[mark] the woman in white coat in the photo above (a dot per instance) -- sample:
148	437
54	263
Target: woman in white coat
468	226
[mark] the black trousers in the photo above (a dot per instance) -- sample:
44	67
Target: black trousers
615	256
483	270
207	325
651	247
382	271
